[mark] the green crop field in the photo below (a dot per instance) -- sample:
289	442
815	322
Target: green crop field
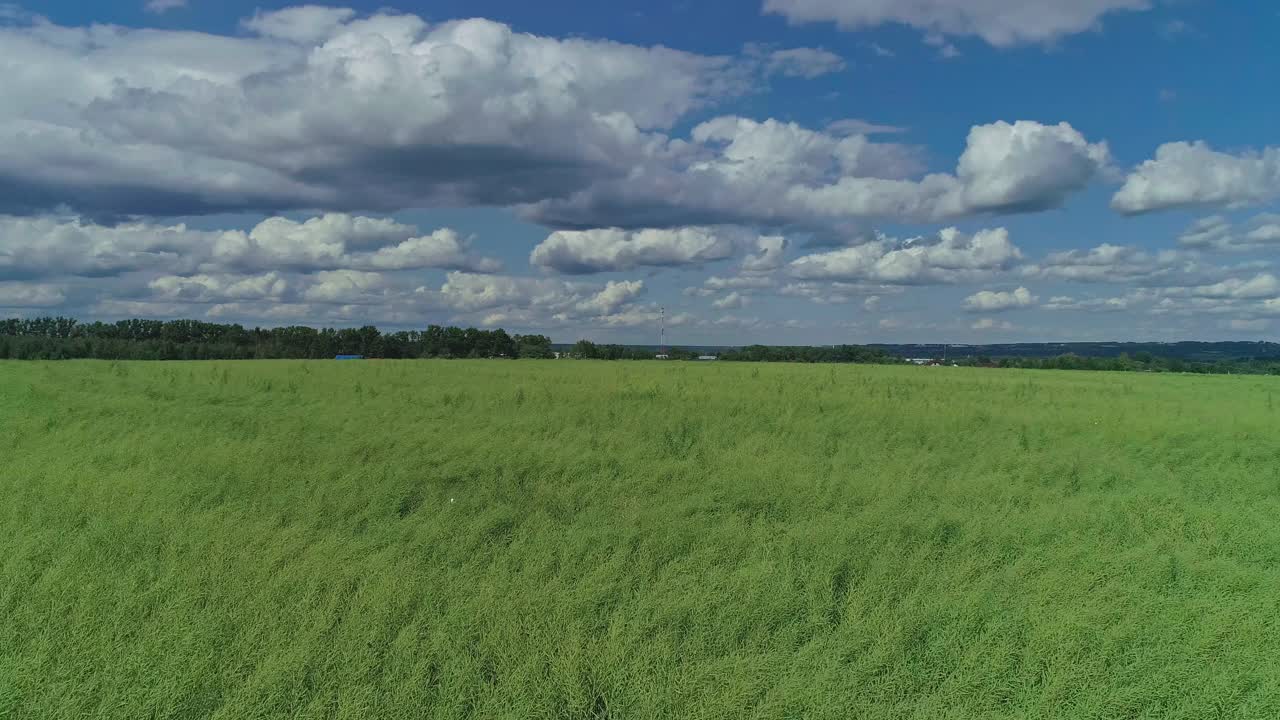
573	539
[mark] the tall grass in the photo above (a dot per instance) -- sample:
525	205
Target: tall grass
590	540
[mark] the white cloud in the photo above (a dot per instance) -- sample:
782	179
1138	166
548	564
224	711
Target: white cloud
1264	285
46	246
858	126
610	250
1187	307
1266	230
218	288
347	287
49	246
950	257
1114	264
470	292
307	24
1217	233
1102	305
1026	165
640	317
771	250
834	293
612	298
732	301
441	249
1194	175
988	301
1001	23
741	282
993	324
738	170
1209	232
542	301
163	6
318	108
23	294
318	243
803	62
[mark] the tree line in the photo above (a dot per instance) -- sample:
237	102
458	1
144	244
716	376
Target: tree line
1138	362
59	338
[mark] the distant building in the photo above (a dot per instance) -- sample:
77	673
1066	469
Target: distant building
349	357
923	361
661	357
708	357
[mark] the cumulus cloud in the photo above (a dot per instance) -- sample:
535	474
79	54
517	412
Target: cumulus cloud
1109	263
769	256
553	299
738	170
992	324
741	282
1099	304
32	247
1263	285
637	316
732	301
949	257
1195	175
610	250
1217	233
745	284
1026	165
347	287
612	298
25	294
803	62
835	293
547	303
219	288
320	108
49	246
1266	230
988	301
1001	23
303	24
1210	232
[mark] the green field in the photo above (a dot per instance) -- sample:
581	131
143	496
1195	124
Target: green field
573	539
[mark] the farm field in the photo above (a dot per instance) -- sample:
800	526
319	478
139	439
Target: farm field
574	539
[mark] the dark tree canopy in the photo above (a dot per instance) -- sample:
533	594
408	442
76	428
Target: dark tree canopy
63	338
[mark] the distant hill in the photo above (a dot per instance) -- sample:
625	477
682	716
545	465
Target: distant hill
1191	351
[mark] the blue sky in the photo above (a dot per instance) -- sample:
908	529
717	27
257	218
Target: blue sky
1016	171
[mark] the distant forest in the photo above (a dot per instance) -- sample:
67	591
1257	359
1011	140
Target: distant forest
59	338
